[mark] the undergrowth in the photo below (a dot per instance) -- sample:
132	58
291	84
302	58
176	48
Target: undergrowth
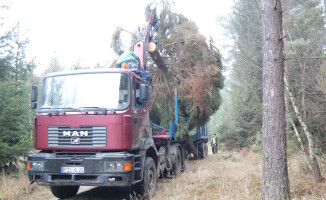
17	186
226	175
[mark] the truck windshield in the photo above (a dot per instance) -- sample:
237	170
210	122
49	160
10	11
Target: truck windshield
94	90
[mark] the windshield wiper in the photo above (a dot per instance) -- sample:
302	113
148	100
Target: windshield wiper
63	110
99	109
51	111
48	108
57	110
71	109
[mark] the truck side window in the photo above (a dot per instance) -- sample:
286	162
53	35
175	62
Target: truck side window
124	92
136	93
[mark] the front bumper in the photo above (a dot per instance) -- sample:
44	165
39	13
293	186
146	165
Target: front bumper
94	173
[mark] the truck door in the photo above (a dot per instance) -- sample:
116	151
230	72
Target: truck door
140	113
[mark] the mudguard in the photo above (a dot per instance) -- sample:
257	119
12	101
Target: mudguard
146	143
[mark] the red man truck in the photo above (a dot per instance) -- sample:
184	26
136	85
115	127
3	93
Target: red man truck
92	127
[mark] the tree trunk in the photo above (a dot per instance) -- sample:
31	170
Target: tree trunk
303	93
314	164
296	131
325	7
275	171
156	56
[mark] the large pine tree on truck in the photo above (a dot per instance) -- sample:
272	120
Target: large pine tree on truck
180	58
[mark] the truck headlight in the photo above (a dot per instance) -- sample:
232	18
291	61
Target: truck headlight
113	167
35	166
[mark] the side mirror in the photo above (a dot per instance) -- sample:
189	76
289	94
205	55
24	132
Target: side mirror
144	93
34	97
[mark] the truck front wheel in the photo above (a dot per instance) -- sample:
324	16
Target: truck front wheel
148	186
64	192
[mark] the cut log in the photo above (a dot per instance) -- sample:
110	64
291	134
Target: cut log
156	56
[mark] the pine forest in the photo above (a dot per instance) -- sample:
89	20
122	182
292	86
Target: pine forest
264	96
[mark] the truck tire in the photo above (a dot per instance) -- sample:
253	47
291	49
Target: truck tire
147	187
177	165
201	150
185	161
206	149
63	192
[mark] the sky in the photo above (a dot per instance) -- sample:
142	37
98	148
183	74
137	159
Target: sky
79	31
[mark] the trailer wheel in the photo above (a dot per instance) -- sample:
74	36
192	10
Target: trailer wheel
185	162
200	151
63	192
206	149
147	187
178	162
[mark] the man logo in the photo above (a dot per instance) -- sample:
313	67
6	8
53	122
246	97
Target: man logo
75	140
75	133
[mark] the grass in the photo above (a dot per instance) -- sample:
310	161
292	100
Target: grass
226	175
223	176
235	175
302	185
16	186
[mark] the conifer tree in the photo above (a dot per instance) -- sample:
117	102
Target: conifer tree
15	115
245	106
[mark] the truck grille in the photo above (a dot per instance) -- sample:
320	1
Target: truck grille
84	136
77	154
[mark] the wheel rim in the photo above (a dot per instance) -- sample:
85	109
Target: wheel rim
151	181
178	163
179	160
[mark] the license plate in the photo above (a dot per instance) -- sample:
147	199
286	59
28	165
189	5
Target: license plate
72	170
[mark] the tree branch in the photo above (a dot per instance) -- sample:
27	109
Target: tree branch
313	58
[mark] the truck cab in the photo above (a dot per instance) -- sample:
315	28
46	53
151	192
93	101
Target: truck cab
91	128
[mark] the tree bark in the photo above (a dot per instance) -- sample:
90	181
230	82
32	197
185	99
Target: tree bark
314	164
156	56
275	171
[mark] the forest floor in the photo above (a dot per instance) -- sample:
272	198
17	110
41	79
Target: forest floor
226	175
